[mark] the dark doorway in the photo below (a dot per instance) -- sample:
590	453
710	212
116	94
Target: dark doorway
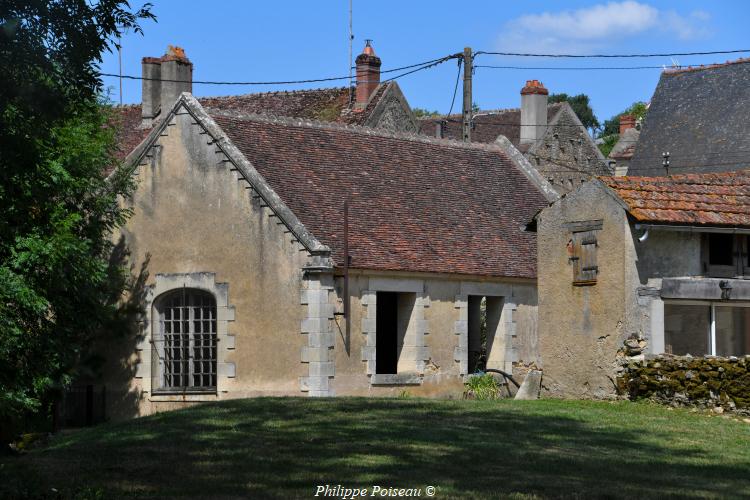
483	322
386	324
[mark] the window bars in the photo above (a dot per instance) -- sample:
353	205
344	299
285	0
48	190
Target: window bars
185	343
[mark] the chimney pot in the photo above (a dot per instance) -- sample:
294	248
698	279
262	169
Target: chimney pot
533	111
368	75
626	122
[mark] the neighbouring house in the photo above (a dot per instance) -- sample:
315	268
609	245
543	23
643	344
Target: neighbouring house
699	117
624	148
550	137
370	103
288	256
661	260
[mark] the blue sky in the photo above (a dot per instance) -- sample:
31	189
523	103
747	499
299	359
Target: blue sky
236	40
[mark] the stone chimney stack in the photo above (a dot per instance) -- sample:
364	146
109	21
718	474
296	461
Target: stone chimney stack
368	75
626	122
533	111
165	78
150	89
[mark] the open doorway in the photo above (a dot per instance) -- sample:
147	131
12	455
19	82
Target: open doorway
484	346
395	333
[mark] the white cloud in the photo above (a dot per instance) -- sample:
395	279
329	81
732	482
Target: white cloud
594	27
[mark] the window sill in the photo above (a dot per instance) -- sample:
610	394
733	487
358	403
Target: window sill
408	378
177	392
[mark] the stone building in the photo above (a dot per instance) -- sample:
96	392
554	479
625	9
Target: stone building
699	116
663	260
624	148
287	256
369	104
550	137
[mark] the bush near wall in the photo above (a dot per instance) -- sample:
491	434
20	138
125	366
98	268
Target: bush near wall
705	382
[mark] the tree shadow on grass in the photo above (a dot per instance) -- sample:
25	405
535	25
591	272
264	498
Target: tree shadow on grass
283	448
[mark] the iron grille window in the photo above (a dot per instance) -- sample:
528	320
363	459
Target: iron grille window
187	334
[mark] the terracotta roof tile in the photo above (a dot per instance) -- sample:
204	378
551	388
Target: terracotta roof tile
714	199
422	205
327	104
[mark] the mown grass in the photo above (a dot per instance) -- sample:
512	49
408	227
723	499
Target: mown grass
283	448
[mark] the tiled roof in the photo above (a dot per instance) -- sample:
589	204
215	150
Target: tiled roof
488	125
698	115
418	204
329	105
713	199
129	133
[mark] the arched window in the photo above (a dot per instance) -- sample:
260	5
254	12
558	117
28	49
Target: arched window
185	341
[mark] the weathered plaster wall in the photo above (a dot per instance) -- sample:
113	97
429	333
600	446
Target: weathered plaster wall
192	214
582	327
442	375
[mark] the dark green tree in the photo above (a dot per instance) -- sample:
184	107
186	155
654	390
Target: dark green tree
581	106
57	289
612	126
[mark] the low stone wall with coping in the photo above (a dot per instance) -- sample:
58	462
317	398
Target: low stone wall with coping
711	382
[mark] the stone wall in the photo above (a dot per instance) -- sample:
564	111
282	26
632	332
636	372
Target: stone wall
712	382
567	157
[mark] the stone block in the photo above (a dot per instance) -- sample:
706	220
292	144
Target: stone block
321	369
226	370
313	354
314	384
531	386
318	339
408	378
314	325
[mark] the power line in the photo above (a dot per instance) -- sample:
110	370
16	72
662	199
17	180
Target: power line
581	68
599	56
419	66
455	88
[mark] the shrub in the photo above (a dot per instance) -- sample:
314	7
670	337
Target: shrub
482	386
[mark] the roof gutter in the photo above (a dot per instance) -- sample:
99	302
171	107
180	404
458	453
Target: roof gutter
693	229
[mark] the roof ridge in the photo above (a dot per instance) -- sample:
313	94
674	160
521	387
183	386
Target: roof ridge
483	112
675	71
697	176
361	129
275	92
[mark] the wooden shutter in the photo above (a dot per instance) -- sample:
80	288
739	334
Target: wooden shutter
585	267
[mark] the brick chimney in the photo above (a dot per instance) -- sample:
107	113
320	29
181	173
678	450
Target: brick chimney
368	75
626	122
158	94
533	111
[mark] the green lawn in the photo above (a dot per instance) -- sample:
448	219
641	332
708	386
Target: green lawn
283	448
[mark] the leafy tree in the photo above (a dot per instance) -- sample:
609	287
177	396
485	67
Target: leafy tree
421	112
581	106
612	126
57	290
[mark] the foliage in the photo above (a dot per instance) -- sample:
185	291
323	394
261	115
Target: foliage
612	126
581	106
282	447
57	290
421	112
482	386
608	142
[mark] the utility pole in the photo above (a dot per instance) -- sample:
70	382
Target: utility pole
467	94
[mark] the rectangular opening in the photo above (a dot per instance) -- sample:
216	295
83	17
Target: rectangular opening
720	249
725	255
395	341
687	329
485	348
732	335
